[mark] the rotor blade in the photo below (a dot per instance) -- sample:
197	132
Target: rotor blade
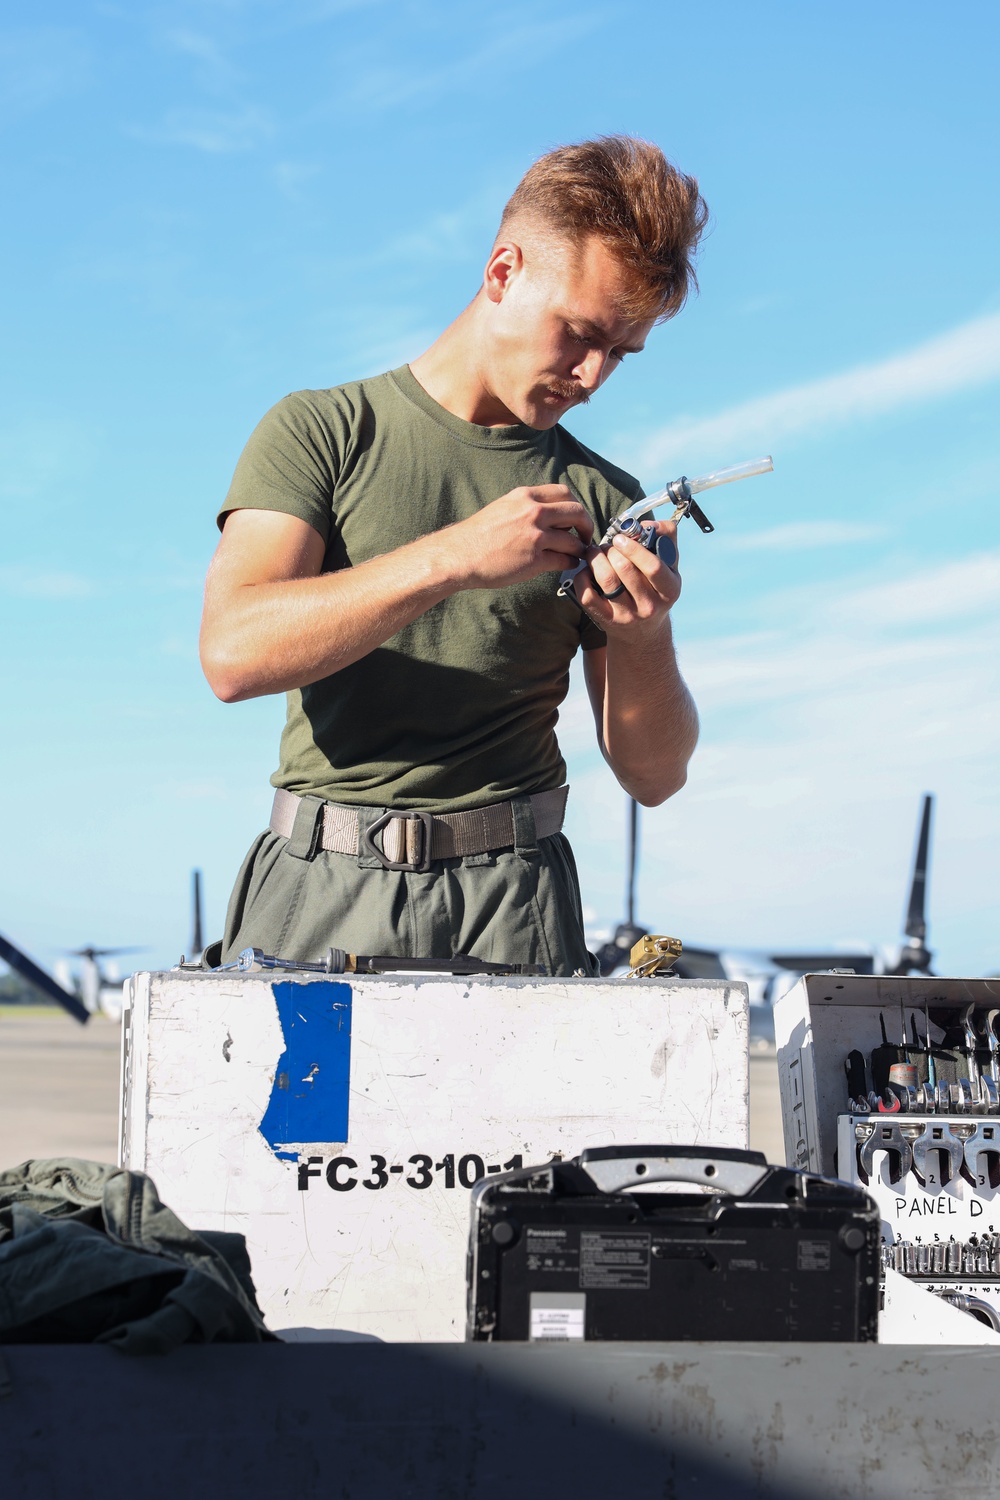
42	981
633	851
197	942
916	923
99	952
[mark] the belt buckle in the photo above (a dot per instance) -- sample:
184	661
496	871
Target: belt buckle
411	867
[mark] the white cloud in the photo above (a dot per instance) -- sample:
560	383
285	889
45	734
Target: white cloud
965	357
44	583
800	536
39	66
522	46
291	177
216	131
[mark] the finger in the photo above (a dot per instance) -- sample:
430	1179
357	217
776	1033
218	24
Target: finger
635	563
602	570
599	610
567	543
566	515
666	540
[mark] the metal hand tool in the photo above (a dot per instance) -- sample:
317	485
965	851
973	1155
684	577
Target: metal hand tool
933	1143
981	1310
653	954
680	493
337	961
857	1075
981	1150
888	1136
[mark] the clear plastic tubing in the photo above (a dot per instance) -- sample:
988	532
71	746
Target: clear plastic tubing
706	482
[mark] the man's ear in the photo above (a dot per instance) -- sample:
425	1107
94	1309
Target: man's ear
505	264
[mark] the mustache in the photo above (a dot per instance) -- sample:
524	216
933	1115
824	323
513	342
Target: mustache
568	390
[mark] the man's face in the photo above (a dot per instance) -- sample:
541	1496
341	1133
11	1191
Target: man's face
557	331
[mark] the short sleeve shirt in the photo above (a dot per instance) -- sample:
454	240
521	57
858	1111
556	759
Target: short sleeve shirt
459	708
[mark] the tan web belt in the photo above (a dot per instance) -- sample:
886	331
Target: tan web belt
411	840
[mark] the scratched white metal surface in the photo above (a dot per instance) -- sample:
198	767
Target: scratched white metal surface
440	1069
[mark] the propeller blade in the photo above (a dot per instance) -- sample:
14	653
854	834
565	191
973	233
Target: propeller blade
42	981
916	922
94	953
197	942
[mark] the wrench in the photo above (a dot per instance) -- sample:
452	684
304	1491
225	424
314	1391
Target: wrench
887	1136
934	1142
982	1145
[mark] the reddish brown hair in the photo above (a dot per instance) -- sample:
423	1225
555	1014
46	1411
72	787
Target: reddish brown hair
627	193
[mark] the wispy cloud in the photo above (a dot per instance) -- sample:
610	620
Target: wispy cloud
528	45
217	131
801	536
965	357
292	177
46	457
457	234
44	583
39	66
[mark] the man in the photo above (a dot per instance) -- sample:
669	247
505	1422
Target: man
389	559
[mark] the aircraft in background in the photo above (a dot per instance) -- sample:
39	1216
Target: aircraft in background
84	990
769	975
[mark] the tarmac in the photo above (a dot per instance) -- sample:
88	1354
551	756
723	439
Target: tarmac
59	1088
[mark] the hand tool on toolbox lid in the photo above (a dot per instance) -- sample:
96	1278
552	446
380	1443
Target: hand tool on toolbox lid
932	1144
680	493
891	1137
338	961
653	954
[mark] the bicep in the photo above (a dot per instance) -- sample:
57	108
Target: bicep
263	546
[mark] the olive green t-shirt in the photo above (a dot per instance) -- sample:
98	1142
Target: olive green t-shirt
459	708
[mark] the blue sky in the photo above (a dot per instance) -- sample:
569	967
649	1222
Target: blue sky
209	204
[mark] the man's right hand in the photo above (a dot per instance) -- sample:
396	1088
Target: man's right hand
539	528
274	621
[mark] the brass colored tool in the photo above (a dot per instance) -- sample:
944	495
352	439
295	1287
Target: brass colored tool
653	955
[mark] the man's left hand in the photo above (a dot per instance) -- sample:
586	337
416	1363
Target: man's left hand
650	588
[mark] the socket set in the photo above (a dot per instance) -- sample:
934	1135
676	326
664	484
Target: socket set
892	1083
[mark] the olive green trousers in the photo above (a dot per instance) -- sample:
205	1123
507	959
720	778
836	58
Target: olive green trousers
517	905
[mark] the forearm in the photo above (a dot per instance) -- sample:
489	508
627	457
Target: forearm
270	637
650	724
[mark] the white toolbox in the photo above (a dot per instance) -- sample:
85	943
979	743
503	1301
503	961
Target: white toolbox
935	1176
339	1122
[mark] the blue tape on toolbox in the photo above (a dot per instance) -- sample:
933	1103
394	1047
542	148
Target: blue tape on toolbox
312	1081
